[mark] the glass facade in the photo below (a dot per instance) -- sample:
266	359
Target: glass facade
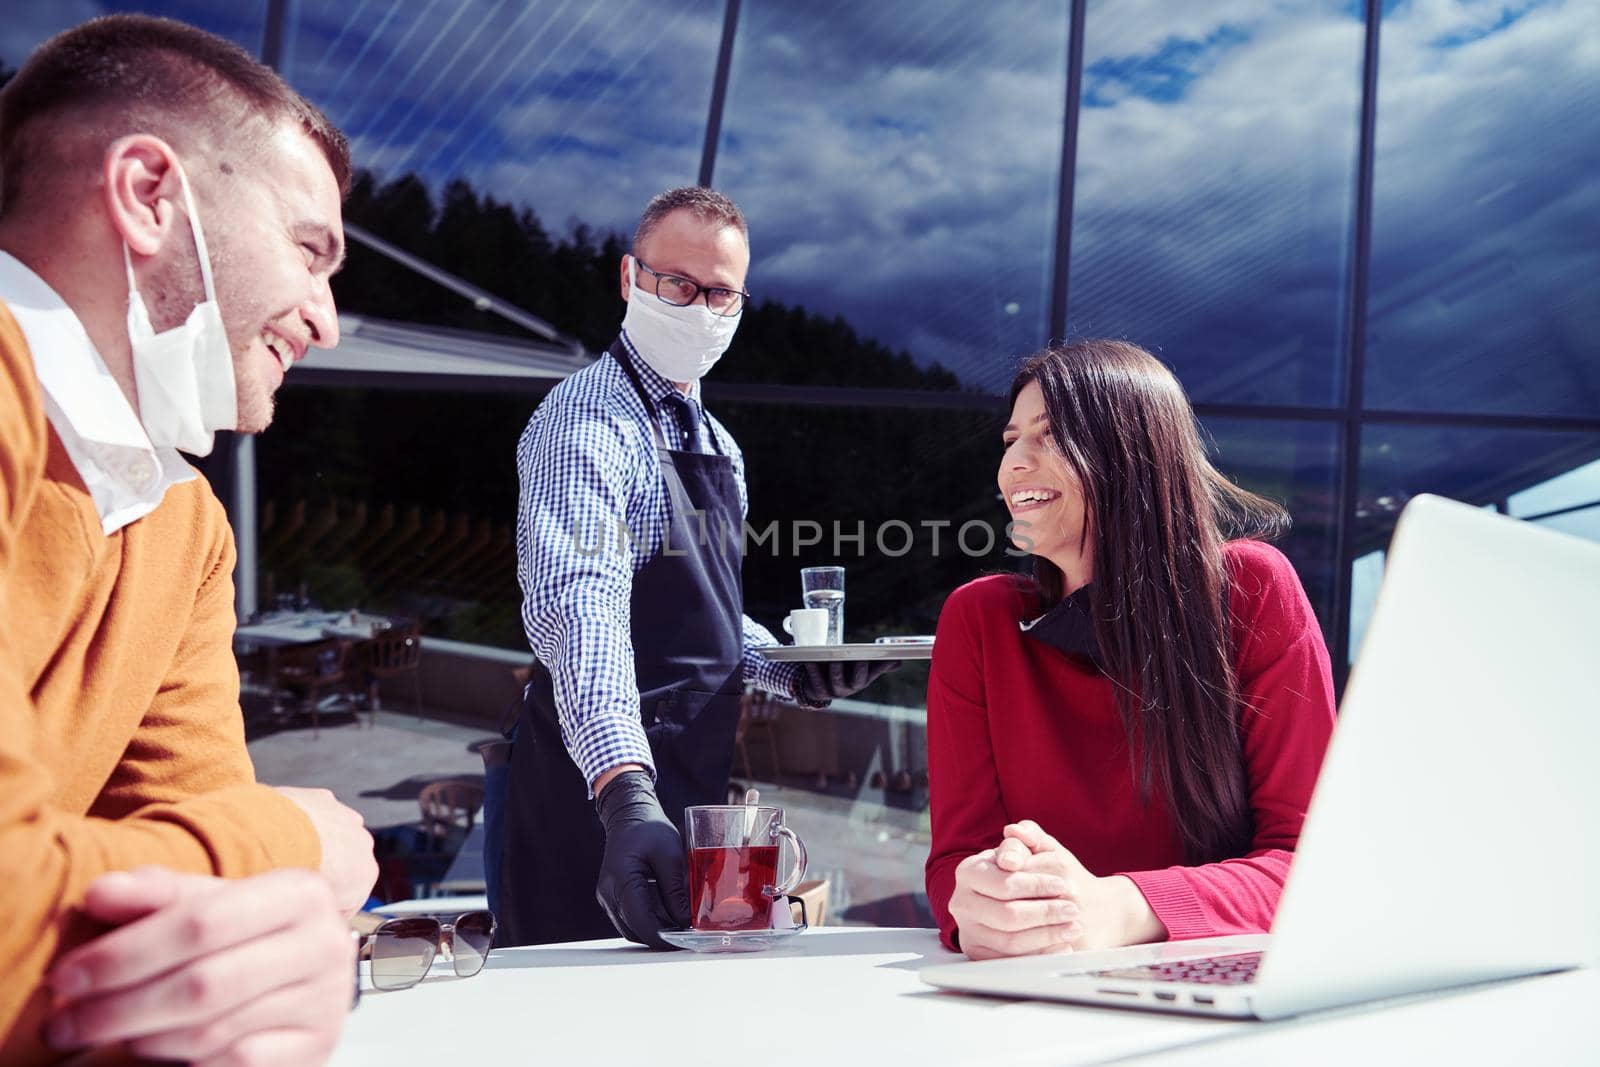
580	111
383	503
1486	211
899	163
1568	502
1213	193
1362	311
1296	464
1546	476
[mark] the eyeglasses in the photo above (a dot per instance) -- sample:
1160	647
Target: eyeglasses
681	292
402	950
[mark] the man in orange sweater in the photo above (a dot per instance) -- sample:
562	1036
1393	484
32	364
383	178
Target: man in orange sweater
135	843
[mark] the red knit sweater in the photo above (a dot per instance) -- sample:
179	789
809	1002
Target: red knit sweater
1019	730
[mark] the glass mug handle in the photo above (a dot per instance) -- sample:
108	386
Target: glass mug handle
799	871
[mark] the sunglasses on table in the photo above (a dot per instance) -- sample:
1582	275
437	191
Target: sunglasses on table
402	950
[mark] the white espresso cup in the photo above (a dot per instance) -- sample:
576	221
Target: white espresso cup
808	626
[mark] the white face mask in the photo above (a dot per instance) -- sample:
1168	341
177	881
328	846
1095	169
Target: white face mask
680	344
185	374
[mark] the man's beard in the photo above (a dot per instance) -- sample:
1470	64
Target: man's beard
256	400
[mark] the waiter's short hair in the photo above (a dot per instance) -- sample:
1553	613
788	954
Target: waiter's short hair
708	205
125	74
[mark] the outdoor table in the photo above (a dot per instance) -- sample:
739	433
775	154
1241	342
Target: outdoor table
281	629
851	995
302	627
445	906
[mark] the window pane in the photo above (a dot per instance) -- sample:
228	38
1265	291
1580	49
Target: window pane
379	499
1216	151
899	165
1580	522
1484	467
1295	464
580	111
905	501
1366	574
1575	489
1485	283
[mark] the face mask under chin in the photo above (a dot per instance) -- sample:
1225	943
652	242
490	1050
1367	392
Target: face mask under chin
184	375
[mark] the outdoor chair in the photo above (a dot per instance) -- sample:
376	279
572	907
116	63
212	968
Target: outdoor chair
407	868
814	892
448	810
758	716
392	653
309	670
253	661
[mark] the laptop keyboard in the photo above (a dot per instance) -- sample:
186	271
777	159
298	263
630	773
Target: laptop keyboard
1211	970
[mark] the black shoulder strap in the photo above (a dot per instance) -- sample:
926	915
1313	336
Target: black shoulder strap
619	352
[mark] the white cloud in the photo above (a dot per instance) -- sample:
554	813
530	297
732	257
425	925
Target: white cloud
1488	214
899	161
547	104
1215	226
902	173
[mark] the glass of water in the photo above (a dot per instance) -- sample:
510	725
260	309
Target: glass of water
823	587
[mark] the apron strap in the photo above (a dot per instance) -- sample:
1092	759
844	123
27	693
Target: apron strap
620	353
678	498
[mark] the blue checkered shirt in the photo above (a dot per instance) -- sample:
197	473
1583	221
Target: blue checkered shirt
589	467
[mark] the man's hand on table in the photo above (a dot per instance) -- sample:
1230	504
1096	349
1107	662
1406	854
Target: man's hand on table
347	859
208	970
644	884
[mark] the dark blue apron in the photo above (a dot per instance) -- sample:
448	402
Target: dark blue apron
686	625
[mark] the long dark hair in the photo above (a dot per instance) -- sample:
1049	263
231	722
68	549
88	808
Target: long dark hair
1157	513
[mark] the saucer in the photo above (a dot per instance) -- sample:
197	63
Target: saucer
847	653
729	940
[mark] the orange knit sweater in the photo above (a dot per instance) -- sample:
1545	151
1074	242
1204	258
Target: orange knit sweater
121	740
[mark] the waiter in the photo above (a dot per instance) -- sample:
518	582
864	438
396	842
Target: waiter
629	548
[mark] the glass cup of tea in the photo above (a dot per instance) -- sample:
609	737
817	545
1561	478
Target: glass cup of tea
823	587
733	865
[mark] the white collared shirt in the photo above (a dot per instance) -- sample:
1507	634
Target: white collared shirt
125	474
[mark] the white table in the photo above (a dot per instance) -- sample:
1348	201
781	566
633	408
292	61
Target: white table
282	629
843	995
302	627
447	906
1544	1021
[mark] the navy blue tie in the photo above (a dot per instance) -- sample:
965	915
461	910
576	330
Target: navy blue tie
688	419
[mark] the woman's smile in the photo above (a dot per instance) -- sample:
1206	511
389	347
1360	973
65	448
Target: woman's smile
1024	498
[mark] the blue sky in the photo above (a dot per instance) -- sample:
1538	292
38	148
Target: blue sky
899	164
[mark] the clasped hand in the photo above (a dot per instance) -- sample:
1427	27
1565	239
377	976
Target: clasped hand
1030	895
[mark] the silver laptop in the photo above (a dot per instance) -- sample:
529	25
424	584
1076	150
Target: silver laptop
1454	833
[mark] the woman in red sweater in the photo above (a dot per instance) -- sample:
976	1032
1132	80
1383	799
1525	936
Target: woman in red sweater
1122	747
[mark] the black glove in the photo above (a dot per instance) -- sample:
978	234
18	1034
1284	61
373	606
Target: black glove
643	885
819	683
